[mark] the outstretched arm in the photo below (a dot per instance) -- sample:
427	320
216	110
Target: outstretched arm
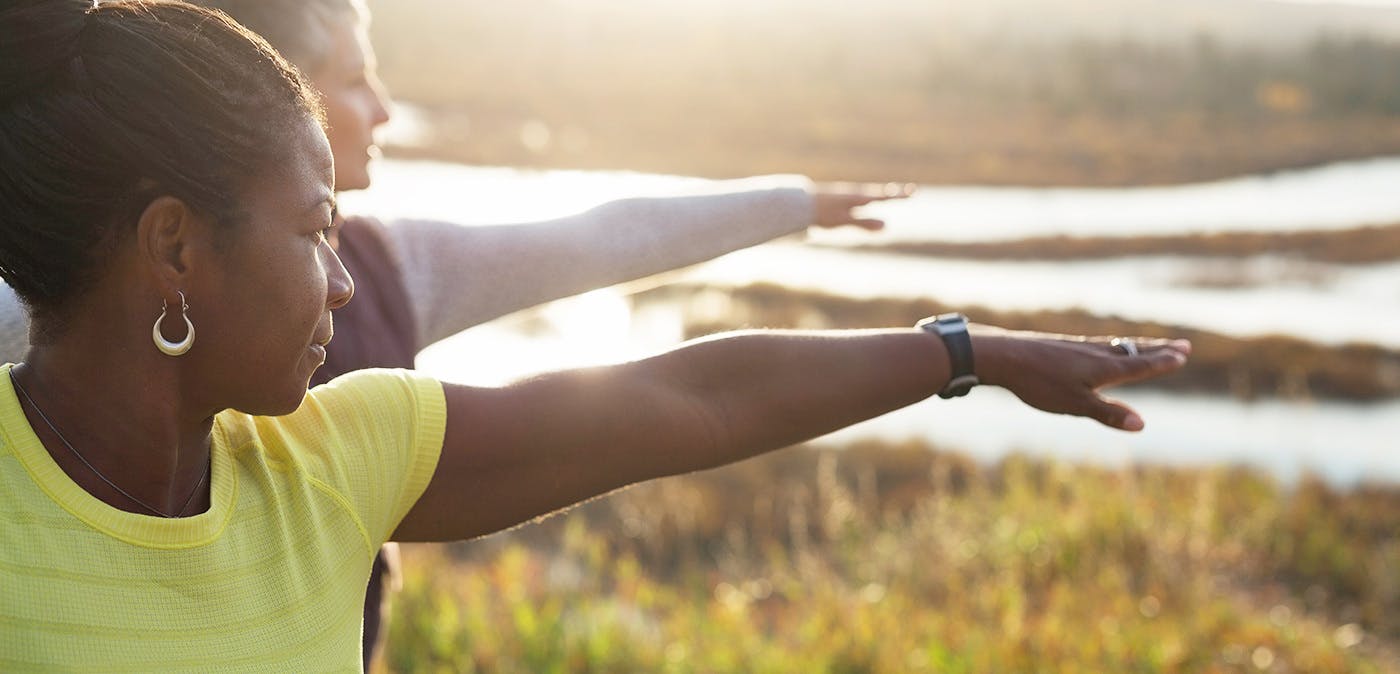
514	453
459	277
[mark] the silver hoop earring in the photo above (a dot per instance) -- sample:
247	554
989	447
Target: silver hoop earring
167	347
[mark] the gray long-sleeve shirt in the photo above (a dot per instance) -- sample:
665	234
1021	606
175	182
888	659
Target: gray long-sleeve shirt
458	277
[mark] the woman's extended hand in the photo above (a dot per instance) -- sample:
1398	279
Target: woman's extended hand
836	202
1063	374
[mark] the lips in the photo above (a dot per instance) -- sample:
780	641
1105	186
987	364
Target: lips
318	346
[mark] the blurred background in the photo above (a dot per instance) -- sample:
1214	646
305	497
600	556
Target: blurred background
1225	170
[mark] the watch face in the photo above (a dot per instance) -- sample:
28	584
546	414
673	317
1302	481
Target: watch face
947	325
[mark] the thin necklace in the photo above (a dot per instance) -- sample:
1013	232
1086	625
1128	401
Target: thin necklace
98	473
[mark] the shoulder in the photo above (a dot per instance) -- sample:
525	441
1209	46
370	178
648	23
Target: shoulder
369	386
364	409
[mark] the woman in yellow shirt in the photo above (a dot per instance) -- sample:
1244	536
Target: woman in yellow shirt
171	497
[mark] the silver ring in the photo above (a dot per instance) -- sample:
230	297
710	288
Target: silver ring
1128	346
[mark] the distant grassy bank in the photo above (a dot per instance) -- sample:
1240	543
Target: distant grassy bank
1361	245
1277	366
885	91
929	147
879	558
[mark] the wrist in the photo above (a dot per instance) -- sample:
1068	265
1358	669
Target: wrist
952	329
994	354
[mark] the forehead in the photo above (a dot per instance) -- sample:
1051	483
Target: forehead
347	43
305	176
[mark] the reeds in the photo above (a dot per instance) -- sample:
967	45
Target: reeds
879	558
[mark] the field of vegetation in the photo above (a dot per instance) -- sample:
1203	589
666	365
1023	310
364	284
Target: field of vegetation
908	558
903	559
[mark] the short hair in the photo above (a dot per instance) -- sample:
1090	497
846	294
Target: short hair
298	29
105	107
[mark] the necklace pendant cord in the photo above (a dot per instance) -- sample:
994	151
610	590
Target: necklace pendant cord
188	500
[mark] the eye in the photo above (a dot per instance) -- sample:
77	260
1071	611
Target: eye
331	233
328	233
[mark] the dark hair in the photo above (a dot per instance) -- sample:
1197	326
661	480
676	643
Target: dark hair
298	29
105	107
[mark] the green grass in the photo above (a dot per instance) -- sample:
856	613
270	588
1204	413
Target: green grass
901	559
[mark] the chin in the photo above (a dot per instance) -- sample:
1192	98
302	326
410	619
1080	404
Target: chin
283	404
354	180
283	398
294	402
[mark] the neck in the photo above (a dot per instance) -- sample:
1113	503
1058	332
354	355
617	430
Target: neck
125	414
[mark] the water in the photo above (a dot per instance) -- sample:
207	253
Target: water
1338	196
1270	293
1328	303
1332	197
1351	303
1342	442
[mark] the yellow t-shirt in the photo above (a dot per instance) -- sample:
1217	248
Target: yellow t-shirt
271	579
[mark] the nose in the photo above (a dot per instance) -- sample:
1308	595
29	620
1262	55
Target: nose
339	286
380	113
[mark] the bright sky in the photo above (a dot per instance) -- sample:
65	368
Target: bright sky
1372	3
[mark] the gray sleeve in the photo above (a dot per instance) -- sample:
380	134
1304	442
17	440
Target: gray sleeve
14	327
460	276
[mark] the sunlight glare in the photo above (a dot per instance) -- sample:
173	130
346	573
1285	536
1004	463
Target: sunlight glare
593	328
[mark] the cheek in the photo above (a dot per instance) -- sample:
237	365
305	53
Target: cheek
346	112
343	125
295	290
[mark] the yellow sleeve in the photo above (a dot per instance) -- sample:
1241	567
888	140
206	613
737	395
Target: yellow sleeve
381	436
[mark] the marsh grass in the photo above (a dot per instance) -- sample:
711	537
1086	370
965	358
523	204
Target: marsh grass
881	558
1360	245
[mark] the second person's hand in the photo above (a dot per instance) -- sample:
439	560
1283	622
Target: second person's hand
836	203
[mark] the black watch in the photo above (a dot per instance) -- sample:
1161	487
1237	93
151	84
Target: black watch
952	328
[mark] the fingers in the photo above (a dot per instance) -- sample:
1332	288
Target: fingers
835	203
1115	414
860	194
1150	344
895	191
1155	357
1129	369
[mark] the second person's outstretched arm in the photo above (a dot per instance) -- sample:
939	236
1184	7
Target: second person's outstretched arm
458	277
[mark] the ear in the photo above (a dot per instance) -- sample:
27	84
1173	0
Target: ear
170	238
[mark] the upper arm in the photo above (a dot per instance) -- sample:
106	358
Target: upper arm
514	453
461	276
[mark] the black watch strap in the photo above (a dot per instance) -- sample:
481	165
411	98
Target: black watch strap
952	328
